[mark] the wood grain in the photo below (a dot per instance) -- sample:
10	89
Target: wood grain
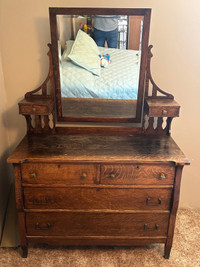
137	174
103	110
83	223
97	198
96	240
59	173
98	148
36	106
175	202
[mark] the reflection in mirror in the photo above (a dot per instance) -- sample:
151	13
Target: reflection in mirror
99	59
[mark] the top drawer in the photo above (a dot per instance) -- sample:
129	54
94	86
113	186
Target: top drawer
145	174
58	173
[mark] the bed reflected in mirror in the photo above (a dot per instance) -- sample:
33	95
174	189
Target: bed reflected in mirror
99	58
100	63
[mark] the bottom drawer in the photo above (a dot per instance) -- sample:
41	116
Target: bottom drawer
96	224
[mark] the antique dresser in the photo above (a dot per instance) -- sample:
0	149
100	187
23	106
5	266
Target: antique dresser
98	171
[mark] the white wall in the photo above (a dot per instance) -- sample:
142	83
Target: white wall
24	32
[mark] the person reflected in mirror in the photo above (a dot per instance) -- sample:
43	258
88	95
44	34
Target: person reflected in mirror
106	30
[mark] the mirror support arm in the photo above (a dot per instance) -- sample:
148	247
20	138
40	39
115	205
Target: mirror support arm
155	88
38	106
157	108
44	87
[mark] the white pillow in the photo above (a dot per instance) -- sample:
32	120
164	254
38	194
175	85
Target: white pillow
85	53
67	50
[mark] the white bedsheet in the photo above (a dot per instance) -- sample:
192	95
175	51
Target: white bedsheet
118	81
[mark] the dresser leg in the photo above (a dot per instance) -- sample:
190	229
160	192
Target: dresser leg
24	251
168	246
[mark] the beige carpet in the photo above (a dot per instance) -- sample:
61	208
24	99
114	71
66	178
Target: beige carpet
185	251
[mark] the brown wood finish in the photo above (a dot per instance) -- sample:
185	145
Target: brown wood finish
98	184
95	240
99	224
162	108
98	129
98	148
20	210
59	173
36	106
149	80
137	174
97	189
97	198
98	110
168	244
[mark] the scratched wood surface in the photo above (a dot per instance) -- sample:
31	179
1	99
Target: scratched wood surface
98	148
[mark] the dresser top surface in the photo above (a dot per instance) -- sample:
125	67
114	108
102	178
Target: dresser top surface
97	148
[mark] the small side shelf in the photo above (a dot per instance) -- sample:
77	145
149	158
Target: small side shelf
161	108
158	115
36	106
39	114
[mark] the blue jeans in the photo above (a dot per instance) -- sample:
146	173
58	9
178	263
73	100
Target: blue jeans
111	37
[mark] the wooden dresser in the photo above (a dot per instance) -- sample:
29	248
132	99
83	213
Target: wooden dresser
106	172
97	189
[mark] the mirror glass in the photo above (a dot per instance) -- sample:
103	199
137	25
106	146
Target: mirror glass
99	58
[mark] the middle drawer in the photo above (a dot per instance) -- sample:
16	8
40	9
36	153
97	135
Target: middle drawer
97	198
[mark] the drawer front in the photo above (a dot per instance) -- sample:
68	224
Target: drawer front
164	112
34	109
97	198
96	224
137	174
58	173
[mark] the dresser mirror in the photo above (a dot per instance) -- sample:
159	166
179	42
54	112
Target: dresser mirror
99	82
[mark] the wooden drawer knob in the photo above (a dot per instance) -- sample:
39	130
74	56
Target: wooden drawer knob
34	109
33	175
162	176
84	175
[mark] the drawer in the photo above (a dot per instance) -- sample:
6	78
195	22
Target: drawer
96	224
34	109
143	174
58	173
97	198
161	108
36	106
164	112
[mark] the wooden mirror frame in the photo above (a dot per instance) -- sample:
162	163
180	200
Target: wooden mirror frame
53	12
40	106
